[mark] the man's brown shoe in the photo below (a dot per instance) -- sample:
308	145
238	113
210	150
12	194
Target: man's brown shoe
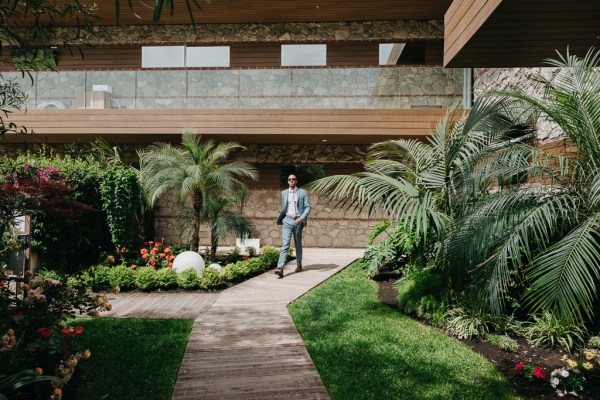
298	269
279	272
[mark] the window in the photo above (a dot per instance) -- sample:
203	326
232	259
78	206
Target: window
214	56
389	53
163	56
182	56
303	55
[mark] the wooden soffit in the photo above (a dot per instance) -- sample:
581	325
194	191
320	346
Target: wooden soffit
358	126
271	11
518	33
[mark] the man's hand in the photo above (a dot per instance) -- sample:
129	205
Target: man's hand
298	221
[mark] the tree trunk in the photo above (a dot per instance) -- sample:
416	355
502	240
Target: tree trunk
197	205
214	243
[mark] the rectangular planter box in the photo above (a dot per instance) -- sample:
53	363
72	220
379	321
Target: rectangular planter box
245	243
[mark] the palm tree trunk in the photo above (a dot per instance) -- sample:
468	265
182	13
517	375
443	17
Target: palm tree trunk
214	243
197	205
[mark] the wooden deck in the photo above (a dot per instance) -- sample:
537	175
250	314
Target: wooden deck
244	344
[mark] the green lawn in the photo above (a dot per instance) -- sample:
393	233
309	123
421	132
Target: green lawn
131	358
365	350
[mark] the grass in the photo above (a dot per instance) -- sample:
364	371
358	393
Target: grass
365	350
131	358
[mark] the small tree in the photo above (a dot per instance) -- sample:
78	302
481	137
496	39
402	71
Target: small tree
196	171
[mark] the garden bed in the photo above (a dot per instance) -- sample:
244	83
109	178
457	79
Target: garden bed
546	357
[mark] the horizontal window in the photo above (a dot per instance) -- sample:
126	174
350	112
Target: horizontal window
303	55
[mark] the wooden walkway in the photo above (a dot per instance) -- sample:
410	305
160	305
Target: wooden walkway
244	344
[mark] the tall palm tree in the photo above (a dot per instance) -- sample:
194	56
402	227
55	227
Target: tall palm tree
544	238
195	171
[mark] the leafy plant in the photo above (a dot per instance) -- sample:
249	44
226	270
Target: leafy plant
98	277
504	342
594	342
120	192
12	384
196	170
251	251
468	322
551	330
414	286
210	279
122	277
188	279
167	278
146	278
529	371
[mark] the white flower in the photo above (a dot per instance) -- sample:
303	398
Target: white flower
560	393
564	373
554	382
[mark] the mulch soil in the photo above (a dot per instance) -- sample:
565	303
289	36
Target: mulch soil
547	358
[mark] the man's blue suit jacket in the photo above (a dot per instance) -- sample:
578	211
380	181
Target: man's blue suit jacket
302	205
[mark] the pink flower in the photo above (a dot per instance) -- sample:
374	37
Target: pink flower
45	332
79	329
519	367
537	372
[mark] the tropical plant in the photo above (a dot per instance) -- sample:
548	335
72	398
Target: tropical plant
542	240
195	171
551	330
11	385
504	342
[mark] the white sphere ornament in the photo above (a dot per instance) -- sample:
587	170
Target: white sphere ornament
187	260
216	266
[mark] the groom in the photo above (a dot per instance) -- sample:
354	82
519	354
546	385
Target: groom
295	209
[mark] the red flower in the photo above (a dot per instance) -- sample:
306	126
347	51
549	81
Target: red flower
519	367
538	373
133	266
79	329
45	332
69	331
2	283
170	265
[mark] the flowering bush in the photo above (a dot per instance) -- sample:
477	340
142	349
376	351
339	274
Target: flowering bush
530	371
157	255
33	326
569	380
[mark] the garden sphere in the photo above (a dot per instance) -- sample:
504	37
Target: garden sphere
216	266
187	260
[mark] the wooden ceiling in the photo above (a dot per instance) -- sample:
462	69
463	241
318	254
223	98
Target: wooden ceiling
272	11
518	33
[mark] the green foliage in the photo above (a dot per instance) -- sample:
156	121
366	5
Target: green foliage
98	277
123	277
550	330
233	255
468	322
594	342
35	331
251	251
146	278
167	278
416	285
121	201
36	59
188	279
377	230
10	385
210	279
270	255
504	342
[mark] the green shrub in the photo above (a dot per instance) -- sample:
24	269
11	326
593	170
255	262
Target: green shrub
504	342
548	329
167	278
210	278
467	322
432	310
188	279
234	255
271	256
50	274
416	285
229	272
123	277
251	251
146	279
594	342
98	277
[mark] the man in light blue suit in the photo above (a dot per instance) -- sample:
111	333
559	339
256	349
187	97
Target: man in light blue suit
295	208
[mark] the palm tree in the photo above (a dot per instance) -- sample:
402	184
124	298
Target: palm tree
425	186
196	171
544	239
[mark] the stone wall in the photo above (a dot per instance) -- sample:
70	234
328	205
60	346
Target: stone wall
328	225
501	78
260	33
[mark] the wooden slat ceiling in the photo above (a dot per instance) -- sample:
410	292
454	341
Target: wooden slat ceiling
272	11
244	126
518	33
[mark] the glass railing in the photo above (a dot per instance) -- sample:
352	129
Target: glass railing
309	88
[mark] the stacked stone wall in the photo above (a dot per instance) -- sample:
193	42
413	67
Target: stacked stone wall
260	33
486	79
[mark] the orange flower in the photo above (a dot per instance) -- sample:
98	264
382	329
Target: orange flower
87	353
162	255
170	265
39	371
144	256
133	266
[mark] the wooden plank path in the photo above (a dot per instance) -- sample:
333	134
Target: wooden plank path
246	346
